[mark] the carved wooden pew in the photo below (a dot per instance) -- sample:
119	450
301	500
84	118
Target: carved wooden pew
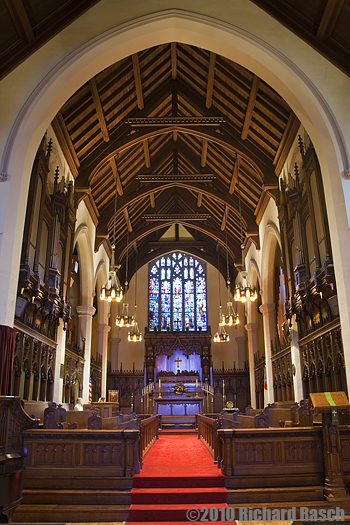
79	417
260	420
277	416
35	409
245	421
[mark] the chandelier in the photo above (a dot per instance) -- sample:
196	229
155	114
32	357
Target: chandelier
221	336
243	291
135	336
124	319
230	318
112	290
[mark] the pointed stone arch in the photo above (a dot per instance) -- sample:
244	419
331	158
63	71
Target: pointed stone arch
26	123
85	251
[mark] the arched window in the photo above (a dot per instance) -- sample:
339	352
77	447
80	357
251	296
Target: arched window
177	293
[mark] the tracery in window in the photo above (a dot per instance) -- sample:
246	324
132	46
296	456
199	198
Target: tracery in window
177	293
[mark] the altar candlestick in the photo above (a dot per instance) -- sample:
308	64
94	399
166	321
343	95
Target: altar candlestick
196	387
160	392
223	392
132	402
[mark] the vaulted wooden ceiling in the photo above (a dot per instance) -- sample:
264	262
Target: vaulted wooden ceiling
184	137
25	25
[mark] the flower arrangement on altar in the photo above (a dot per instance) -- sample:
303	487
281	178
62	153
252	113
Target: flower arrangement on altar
179	388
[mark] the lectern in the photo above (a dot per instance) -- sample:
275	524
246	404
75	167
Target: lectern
330	404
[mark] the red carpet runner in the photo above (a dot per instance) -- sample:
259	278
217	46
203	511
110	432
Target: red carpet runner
178	474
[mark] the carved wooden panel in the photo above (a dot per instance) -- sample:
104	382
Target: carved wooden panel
300	451
272	457
257	452
58	452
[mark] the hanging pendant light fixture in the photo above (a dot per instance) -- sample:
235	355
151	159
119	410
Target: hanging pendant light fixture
230	318
124	319
221	336
112	290
243	291
135	336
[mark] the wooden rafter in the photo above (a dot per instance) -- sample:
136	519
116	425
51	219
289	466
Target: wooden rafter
210	85
173	60
127	220
216	194
99	110
113	164
137	77
175	121
329	19
235	175
224	219
146	153
20	19
172	147
250	107
183	177
287	139
204	152
66	144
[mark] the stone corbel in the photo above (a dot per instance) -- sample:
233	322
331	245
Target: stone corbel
3	176
346	174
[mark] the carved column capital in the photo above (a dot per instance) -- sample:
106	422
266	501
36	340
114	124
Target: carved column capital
103	328
3	176
251	327
86	310
267	308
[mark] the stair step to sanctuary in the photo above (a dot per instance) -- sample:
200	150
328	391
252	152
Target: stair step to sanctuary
79	497
267	496
70	513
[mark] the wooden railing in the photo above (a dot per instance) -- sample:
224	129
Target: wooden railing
149	434
56	457
207	432
259	457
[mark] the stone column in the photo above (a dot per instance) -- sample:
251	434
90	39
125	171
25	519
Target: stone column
114	338
296	361
240	340
102	348
60	354
85	313
269	323
252	331
114	352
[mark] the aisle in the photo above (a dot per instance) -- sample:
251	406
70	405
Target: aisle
180	455
178	474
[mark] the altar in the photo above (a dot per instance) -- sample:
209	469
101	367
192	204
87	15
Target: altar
178	406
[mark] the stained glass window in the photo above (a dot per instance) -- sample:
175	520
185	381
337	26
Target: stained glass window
177	293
